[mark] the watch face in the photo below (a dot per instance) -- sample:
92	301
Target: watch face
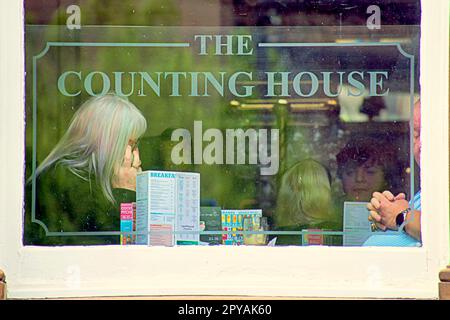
399	219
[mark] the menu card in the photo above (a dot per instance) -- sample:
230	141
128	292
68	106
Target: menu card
127	223
356	223
166	202
210	217
232	220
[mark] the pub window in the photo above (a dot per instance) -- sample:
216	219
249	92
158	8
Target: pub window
263	123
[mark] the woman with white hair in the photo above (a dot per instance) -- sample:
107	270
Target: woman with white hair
92	169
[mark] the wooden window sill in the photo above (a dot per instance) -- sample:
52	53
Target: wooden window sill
2	286
444	285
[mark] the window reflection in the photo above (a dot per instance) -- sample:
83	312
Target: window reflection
333	148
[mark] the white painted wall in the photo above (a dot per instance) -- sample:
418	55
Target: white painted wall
294	271
11	130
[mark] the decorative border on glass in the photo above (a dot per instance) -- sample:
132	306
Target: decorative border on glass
187	45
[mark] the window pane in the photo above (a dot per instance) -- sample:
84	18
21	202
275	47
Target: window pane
254	123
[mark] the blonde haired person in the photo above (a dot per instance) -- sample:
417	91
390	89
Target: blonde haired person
92	169
304	200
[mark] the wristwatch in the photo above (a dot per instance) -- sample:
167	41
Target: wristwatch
401	217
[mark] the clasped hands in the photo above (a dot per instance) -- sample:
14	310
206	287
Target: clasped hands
384	208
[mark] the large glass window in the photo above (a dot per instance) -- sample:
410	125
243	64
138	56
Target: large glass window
250	123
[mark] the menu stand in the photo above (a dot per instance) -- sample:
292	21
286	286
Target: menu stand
444	285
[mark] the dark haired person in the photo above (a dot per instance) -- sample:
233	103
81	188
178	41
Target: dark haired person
366	165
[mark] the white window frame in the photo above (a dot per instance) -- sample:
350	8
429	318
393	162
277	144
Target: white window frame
38	272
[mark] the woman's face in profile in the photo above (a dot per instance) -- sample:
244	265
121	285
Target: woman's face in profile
361	181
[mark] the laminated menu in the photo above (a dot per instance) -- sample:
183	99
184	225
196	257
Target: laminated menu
127	223
233	220
210	218
356	225
167	202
